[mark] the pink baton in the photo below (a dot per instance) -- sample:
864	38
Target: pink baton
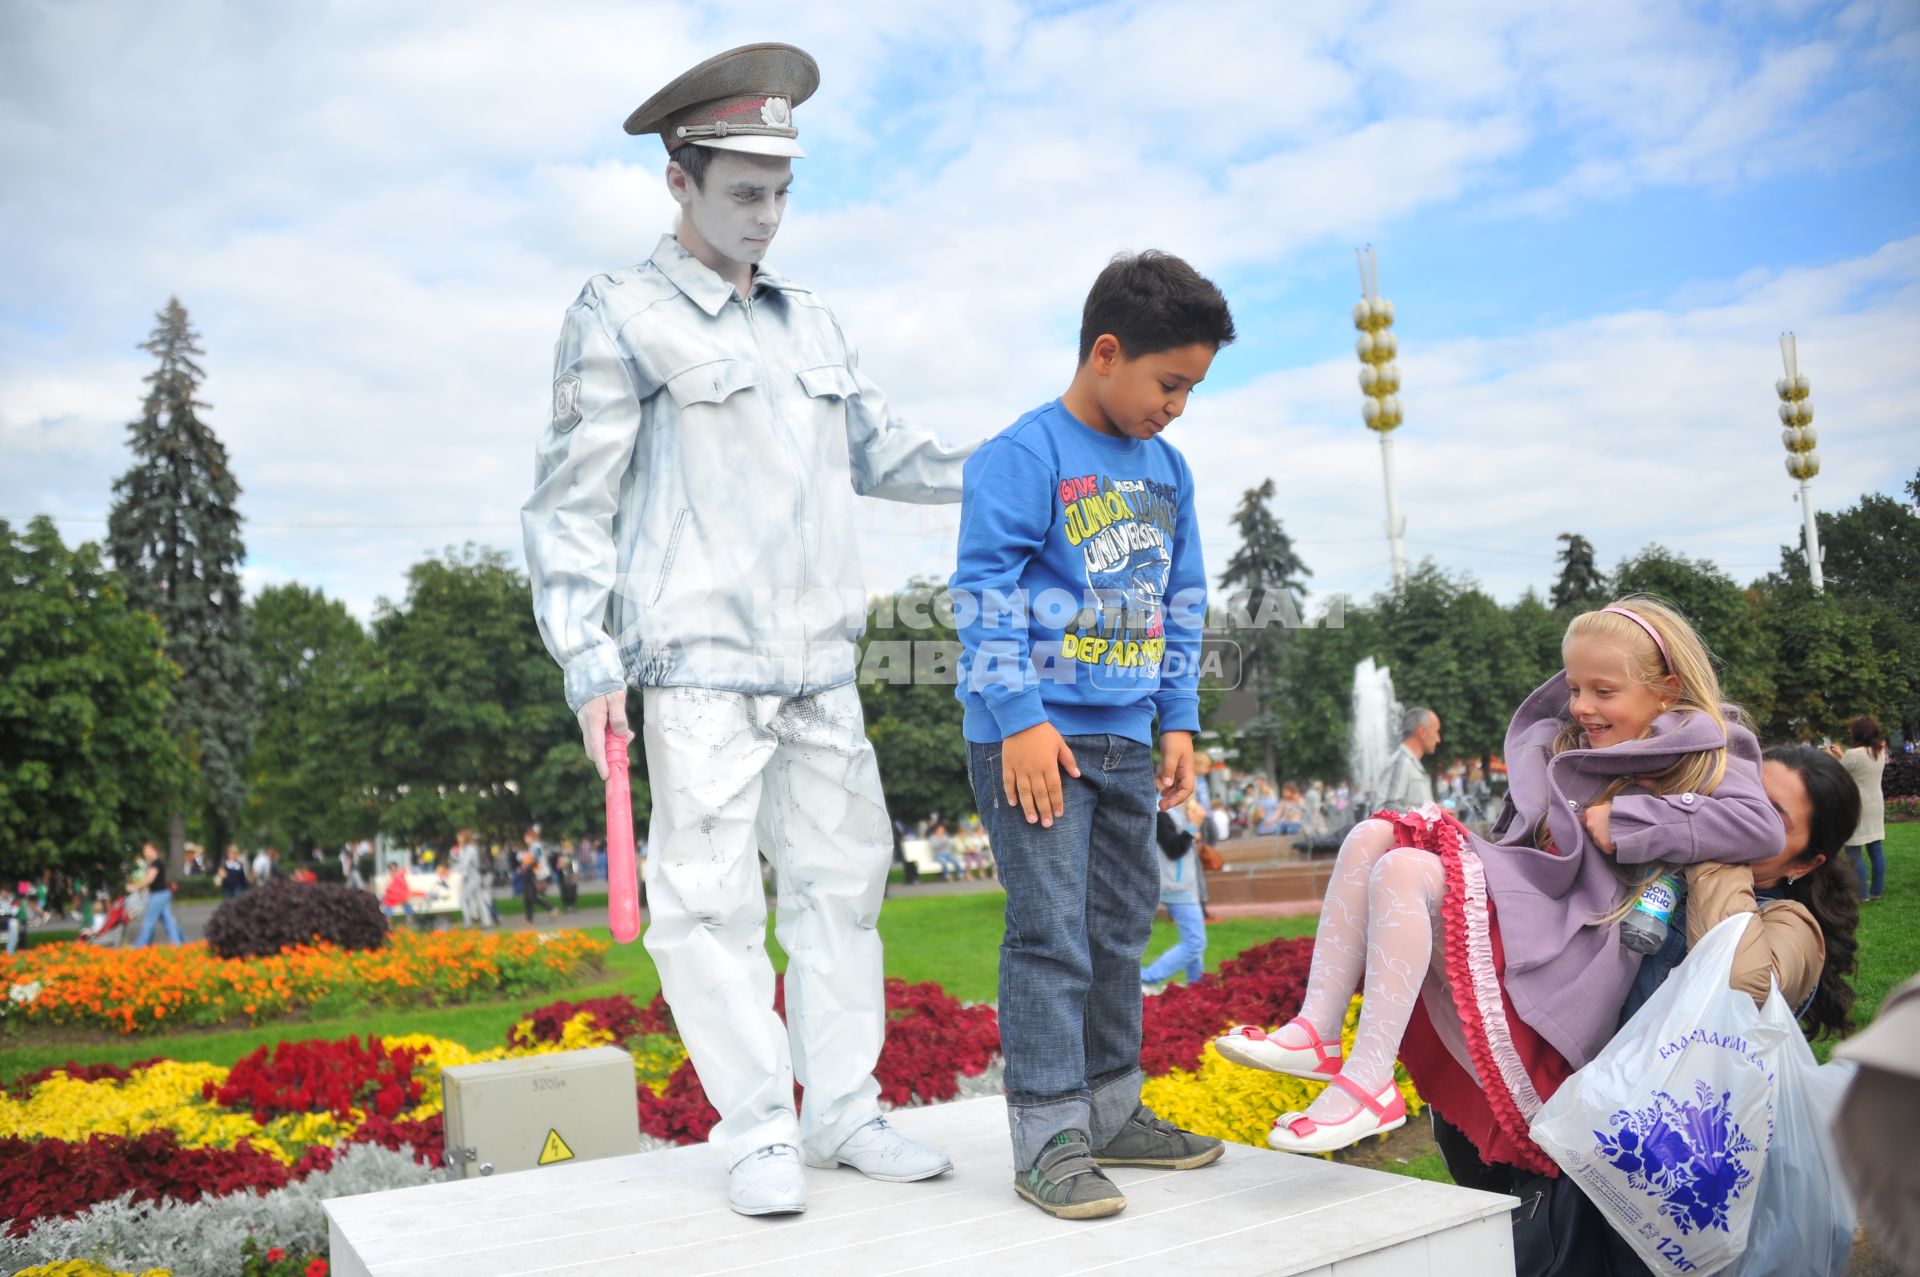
623	887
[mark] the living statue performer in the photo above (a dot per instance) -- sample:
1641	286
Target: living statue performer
691	533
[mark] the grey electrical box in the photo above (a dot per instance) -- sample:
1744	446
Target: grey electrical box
517	1115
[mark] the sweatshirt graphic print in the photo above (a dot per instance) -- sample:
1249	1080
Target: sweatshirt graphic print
1080	588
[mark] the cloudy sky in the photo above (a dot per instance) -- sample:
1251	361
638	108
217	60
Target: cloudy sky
1594	221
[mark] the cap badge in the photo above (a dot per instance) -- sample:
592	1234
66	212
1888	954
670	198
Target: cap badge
776	114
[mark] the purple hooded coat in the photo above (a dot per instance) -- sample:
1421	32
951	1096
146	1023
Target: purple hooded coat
1565	977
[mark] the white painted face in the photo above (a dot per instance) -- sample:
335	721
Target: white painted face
736	212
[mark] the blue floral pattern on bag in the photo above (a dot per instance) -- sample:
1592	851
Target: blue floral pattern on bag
1686	1154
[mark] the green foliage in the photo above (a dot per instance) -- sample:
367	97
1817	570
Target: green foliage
913	719
1722	614
1452	649
1581	586
1870	559
174	533
310	775
1828	662
1263	583
464	712
1314	707
87	767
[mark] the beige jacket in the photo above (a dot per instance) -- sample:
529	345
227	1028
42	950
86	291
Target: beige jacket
1787	945
1866	771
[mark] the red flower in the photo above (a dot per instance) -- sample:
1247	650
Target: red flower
318	1268
47	1179
332	1077
1264	985
275	1254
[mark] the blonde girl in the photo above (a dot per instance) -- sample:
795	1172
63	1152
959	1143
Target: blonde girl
1492	967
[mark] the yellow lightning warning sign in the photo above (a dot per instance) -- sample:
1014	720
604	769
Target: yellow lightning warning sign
555	1150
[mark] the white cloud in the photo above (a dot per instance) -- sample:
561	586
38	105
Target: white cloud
1646	426
376	216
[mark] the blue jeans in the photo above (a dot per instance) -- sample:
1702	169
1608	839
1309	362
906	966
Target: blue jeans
1080	902
1190	955
1875	851
159	909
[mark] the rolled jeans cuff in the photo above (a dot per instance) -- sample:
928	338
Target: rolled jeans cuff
1112	1101
1032	1125
1101	1113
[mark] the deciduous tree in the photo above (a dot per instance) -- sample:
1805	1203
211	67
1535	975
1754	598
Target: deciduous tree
88	768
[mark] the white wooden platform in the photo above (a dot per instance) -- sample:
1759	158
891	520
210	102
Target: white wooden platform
1253	1212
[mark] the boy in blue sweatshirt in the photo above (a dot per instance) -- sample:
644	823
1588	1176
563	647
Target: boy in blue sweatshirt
1081	595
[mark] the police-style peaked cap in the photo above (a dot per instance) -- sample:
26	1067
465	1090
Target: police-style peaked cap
740	100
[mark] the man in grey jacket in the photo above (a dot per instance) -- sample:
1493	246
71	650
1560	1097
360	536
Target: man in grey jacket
691	533
1405	785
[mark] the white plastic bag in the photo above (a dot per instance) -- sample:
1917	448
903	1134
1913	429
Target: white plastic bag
1668	1128
1803	1215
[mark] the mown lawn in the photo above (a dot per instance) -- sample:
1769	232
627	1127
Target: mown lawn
1889	932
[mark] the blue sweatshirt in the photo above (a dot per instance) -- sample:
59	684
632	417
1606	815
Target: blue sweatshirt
1080	591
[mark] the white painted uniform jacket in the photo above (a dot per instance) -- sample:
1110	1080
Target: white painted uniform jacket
691	522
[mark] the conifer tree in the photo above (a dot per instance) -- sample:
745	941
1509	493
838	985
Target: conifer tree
1264	578
174	533
1581	585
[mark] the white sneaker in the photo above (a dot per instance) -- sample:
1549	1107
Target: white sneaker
768	1181
878	1151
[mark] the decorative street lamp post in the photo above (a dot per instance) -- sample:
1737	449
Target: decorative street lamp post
1796	414
1380	383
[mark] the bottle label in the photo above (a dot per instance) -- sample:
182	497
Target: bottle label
1657	899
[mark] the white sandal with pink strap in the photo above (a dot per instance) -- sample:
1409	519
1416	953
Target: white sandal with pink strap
1298	1133
1254	1048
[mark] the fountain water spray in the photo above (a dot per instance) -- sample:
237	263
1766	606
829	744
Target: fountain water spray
1372	735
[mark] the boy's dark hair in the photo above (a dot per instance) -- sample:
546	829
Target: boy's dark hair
694	159
1154	301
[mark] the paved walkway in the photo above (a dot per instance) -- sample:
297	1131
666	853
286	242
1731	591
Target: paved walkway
192	915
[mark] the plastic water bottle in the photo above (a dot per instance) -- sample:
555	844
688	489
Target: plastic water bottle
1645	927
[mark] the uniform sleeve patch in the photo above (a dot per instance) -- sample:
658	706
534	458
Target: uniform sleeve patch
566	402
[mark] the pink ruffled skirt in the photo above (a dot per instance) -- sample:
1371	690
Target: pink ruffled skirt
1517	1070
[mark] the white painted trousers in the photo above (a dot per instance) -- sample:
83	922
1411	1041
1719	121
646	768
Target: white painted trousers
735	776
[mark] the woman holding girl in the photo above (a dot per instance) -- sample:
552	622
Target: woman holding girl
1493	967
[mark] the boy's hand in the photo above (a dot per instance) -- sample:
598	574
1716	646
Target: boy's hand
1030	763
595	716
1597	819
1176	769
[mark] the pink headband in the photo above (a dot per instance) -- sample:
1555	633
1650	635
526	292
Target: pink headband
1652	633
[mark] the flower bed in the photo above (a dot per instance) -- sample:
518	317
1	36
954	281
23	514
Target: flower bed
174	1131
264	1140
156	988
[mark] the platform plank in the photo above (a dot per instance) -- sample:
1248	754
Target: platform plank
1253	1212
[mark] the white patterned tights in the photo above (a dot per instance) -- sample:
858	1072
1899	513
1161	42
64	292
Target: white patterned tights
1381	918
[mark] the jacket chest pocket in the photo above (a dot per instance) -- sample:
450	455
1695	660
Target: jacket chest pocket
829	381
712	382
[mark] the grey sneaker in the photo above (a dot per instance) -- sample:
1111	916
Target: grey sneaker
1149	1140
1066	1184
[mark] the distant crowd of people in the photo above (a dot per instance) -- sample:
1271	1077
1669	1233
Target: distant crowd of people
544	876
